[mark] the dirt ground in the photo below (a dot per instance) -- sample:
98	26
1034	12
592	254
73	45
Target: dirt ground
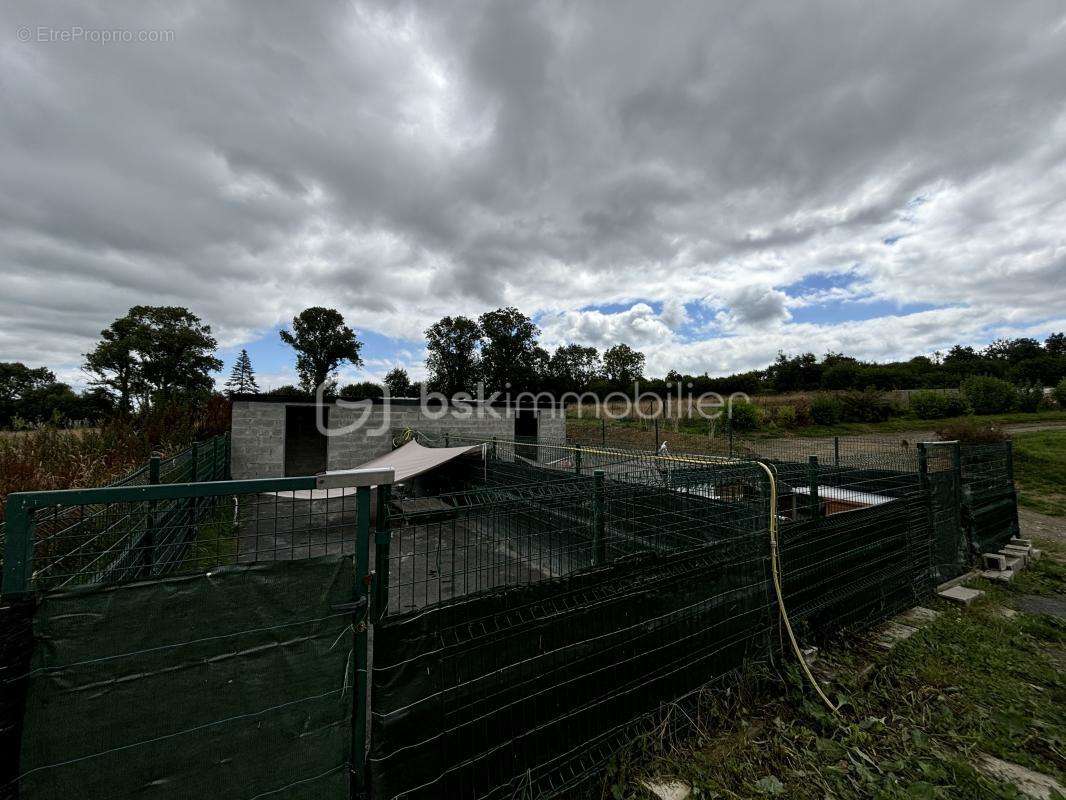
1041	526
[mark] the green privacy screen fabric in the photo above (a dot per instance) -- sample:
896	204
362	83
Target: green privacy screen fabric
234	684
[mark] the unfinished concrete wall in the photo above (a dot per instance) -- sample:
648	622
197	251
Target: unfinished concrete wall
258	442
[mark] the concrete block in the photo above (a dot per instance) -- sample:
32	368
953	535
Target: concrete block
1018	552
1035	554
1013	561
891	633
996	561
1021	542
668	790
918	616
962	595
1000	575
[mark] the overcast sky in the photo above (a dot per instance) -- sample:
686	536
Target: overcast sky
708	182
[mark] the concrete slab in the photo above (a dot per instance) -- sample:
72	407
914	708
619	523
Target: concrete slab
998	575
890	634
668	790
918	616
1030	783
1021	542
962	595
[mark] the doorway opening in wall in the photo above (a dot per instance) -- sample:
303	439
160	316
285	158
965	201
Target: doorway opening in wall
525	430
305	445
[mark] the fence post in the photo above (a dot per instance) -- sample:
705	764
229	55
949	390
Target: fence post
149	532
836	451
382	543
447	440
1017	528
195	458
923	466
729	420
494	447
603	431
362	594
812	481
599	545
228	475
577	459
18	547
656	420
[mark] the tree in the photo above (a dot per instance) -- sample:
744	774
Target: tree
574	367
1055	344
623	364
154	352
1014	350
361	391
509	355
114	362
322	343
242	378
452	361
398	383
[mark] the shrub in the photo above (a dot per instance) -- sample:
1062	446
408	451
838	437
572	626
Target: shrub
989	395
743	416
936	405
826	410
867	406
802	407
1060	393
1029	396
786	416
955	405
972	431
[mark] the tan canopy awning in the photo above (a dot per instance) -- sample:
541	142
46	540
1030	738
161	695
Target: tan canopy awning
413	459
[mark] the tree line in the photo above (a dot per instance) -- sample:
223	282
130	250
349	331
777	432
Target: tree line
166	354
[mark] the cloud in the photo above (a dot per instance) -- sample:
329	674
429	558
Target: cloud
637	326
405	161
754	306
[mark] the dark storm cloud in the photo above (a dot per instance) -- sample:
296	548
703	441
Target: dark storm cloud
406	161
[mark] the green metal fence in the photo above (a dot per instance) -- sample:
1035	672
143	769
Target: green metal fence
527	621
203	461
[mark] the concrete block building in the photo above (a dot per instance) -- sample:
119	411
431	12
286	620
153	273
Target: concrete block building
278	436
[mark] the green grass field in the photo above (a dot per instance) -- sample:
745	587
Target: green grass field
1040	470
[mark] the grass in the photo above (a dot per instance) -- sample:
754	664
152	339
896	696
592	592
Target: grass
1040	470
589	428
912	721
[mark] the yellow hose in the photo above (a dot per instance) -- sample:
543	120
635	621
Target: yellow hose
775	570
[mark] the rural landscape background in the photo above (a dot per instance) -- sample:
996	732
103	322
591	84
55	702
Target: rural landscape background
846	219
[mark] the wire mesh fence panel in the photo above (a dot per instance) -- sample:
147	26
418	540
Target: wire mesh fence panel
99	530
112	535
951	556
990	504
856	567
234	684
524	691
500	535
